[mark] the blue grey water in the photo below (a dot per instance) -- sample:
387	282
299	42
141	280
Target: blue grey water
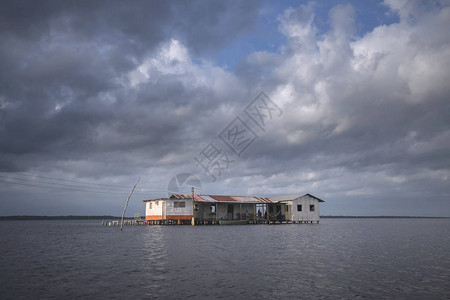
338	258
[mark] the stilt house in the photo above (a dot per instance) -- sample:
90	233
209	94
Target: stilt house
210	209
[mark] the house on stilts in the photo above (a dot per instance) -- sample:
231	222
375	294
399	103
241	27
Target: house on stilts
219	209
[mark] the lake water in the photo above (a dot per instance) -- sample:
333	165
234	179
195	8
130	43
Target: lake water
338	258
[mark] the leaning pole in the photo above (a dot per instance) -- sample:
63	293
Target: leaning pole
126	204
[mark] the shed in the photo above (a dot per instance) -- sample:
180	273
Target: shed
173	208
301	208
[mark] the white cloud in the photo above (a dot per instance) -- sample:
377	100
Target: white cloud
368	105
173	62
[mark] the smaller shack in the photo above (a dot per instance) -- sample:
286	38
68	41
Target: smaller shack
169	210
301	208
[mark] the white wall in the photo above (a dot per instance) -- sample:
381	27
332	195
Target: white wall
156	209
179	211
305	215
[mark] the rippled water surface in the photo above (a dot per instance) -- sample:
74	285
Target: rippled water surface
338	258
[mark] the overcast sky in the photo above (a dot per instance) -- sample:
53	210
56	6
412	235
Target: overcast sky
94	94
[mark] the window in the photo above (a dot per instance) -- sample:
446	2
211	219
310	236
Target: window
157	203
212	208
311	207
287	208
179	204
150	205
299	207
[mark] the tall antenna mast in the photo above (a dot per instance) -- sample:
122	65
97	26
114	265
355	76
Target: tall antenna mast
193	206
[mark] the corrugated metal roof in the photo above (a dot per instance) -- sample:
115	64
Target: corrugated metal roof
231	199
264	200
235	199
243	199
180	196
223	198
205	198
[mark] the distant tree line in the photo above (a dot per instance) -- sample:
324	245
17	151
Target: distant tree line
23	218
380	217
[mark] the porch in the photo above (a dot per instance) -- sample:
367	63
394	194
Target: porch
255	213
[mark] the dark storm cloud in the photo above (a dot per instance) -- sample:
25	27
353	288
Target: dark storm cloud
64	71
135	25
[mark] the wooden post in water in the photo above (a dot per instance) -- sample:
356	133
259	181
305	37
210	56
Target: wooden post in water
126	204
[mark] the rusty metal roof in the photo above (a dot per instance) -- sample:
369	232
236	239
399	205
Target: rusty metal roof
264	199
217	198
180	196
223	198
233	199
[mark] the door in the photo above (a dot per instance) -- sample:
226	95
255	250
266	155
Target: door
278	212
230	211
164	210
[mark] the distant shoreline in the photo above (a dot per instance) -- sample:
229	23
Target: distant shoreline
71	217
381	217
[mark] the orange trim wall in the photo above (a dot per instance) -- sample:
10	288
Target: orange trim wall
148	218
